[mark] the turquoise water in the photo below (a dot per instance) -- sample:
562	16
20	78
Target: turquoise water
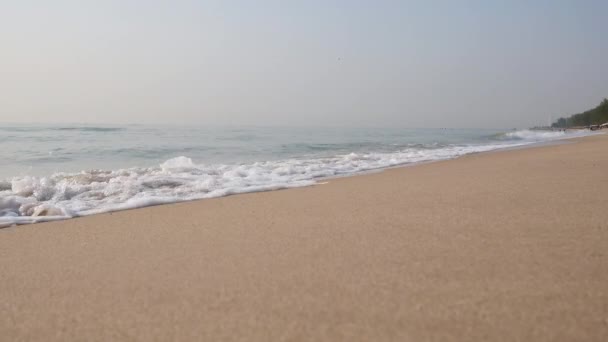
61	171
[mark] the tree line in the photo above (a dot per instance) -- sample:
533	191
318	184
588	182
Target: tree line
595	116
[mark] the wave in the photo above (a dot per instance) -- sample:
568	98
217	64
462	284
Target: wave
64	195
67	128
28	199
89	129
539	135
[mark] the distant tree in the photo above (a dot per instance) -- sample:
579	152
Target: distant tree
560	123
595	116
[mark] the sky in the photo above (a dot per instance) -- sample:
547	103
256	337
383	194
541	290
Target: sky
486	64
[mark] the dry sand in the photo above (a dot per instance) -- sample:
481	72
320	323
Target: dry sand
506	246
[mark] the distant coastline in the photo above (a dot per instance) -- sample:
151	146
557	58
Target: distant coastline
592	119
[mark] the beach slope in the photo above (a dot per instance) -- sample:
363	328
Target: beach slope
510	245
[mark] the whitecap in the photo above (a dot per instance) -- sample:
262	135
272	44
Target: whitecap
27	199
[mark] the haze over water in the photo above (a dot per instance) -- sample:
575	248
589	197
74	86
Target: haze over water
366	63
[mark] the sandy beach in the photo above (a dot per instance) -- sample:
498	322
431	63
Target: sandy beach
503	246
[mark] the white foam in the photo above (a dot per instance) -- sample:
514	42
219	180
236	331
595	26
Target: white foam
178	164
540	135
29	199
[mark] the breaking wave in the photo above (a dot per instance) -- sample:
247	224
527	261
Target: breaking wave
29	199
540	135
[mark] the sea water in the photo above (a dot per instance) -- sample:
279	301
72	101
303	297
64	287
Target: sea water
50	172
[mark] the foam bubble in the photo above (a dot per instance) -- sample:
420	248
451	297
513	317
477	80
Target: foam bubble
29	199
179	164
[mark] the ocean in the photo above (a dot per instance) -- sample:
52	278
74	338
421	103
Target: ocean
50	172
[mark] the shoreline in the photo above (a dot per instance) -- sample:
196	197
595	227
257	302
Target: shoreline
317	181
488	246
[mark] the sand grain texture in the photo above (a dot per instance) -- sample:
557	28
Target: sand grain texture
506	246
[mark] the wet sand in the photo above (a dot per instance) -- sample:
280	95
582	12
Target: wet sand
502	246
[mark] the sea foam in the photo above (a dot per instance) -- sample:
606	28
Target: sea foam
29	199
541	135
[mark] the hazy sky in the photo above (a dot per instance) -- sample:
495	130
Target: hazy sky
407	63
